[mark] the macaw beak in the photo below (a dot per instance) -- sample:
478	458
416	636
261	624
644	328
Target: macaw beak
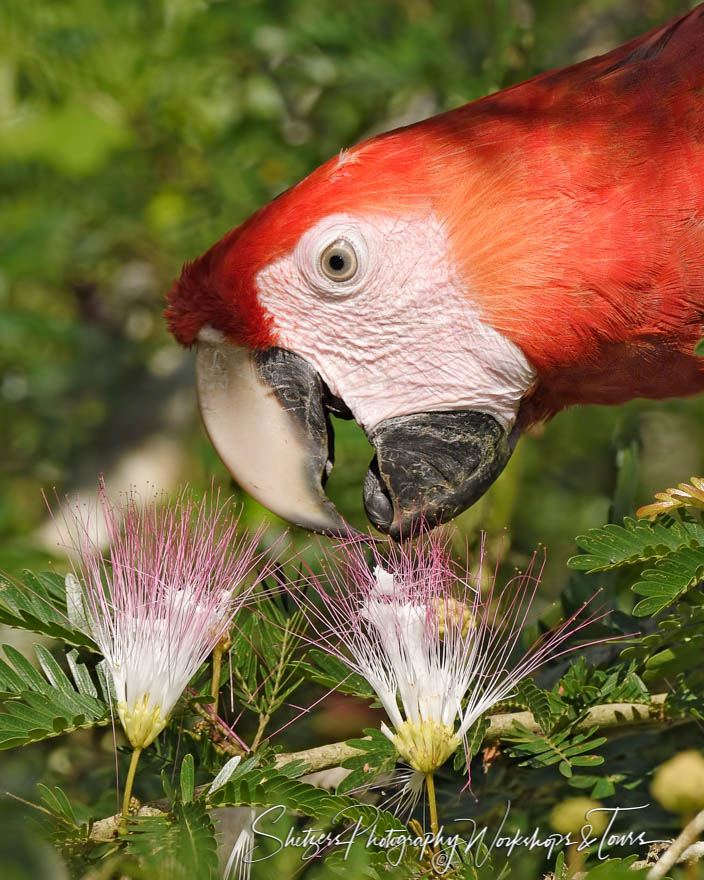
431	466
264	413
268	415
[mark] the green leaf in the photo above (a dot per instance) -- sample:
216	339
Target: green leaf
669	580
583	686
181	845
225	774
37	706
563	748
559	865
39	605
332	673
605	786
615	869
268	787
187	779
379	756
537	701
671	661
613	546
57	803
675	651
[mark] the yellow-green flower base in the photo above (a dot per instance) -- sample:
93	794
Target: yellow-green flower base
141	725
426	745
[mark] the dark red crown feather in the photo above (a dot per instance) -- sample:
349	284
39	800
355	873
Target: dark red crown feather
205	294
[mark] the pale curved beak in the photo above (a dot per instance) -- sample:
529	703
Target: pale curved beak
264	413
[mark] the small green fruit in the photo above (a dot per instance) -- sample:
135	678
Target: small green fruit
569	816
678	784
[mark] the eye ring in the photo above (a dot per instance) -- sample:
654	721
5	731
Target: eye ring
338	261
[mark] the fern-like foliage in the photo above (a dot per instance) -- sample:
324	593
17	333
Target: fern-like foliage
56	820
180	845
671	579
262	786
561	712
614	869
474	740
675	648
40	704
674	547
685	495
560	747
378	756
545	706
584	685
264	669
612	546
39	605
332	673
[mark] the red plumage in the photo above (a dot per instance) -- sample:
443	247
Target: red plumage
575	206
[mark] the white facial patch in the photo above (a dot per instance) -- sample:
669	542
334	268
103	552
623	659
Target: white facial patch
401	335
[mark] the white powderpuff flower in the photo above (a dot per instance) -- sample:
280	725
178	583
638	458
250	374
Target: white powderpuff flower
235	826
438	651
160	597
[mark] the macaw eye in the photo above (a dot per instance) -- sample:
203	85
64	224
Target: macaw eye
339	261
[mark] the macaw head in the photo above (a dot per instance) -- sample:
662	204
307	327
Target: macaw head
447	285
349	295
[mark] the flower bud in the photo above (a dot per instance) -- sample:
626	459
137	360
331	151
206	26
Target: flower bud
572	814
453	613
678	784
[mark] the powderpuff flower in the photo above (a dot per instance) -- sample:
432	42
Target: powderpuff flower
235	829
161	596
236	823
437	651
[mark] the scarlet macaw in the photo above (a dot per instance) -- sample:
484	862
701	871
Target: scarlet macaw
451	283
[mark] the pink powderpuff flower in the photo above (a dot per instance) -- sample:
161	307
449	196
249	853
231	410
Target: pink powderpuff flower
160	598
416	626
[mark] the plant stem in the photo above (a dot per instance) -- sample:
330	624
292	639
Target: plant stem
689	835
430	785
575	861
130	780
217	668
265	716
263	721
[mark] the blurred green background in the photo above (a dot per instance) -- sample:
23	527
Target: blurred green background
134	134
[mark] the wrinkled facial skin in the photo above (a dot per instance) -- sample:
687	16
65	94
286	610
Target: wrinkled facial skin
401	335
374	322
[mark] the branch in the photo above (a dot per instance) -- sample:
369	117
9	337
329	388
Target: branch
321	757
674	854
608	715
107	829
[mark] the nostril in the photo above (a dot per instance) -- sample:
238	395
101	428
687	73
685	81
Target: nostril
377	502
